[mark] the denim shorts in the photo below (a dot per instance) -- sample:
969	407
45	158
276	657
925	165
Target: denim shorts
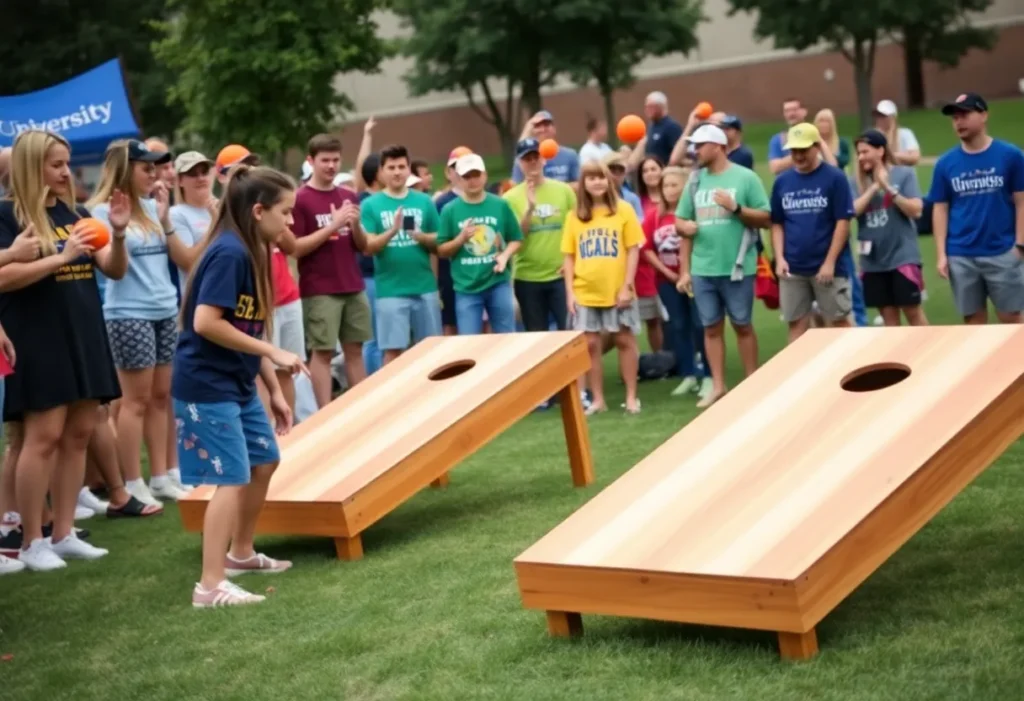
719	295
219	443
403	321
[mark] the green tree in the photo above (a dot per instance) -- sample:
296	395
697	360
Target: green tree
46	42
940	31
261	72
611	38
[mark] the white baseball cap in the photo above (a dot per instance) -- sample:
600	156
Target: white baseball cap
708	134
413	180
886	108
469	163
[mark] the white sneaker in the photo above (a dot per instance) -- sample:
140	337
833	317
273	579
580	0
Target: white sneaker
10	565
74	548
688	385
707	386
90	501
139	490
82	513
175	475
40	557
166	489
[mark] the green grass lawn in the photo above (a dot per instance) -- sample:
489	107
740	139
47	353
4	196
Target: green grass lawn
433	612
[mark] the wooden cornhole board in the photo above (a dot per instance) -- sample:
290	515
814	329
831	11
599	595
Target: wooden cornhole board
406	426
771	507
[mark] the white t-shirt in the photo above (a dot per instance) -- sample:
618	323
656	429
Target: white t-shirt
594	152
908	142
190	225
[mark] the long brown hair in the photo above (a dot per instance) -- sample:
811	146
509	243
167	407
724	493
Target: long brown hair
247	186
585	204
117	175
664	206
863	179
28	185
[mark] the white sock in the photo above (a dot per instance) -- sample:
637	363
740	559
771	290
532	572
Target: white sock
175	474
134	484
161	481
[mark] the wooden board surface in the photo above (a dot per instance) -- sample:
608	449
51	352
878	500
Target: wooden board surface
400	413
769	479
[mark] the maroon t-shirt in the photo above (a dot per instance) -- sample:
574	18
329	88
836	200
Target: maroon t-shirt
331	269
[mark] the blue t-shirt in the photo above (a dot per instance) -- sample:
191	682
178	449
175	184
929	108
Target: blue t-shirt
565	166
775	145
633	200
365	262
742	156
662	136
979	189
205	372
808	206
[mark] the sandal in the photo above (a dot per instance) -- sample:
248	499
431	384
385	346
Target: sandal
133	508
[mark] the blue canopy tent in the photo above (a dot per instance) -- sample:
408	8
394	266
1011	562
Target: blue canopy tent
89	110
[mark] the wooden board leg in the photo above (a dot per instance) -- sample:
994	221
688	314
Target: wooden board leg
441	481
564	625
349	548
577	436
798	646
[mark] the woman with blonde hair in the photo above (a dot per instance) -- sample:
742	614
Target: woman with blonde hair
834	150
52	313
141	315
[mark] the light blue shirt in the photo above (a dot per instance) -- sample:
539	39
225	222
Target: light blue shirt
565	166
146	291
632	199
190	225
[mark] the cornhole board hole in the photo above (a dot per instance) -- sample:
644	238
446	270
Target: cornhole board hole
406	426
771	507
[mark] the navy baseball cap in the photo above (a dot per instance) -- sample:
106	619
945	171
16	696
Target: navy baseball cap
967	102
138	151
873	138
527	146
731	121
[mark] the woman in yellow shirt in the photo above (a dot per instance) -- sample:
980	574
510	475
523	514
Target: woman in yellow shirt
601	241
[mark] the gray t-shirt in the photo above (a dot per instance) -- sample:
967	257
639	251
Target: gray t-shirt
887	238
190	225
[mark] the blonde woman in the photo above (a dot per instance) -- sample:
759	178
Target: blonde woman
834	150
904	150
141	315
51	310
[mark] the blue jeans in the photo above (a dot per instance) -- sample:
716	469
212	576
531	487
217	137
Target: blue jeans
497	300
860	312
371	352
404	321
684	335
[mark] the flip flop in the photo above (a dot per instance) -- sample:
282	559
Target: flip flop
133	508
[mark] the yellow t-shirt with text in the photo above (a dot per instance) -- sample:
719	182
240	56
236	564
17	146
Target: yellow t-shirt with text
600	247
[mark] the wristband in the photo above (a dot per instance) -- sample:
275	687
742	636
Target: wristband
169	232
739	208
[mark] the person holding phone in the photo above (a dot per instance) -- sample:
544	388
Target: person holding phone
401	231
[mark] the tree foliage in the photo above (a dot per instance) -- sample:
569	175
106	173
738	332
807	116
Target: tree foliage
46	42
261	72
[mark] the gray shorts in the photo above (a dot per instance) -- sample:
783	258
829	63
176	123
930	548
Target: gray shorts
607	319
288	331
649	308
797	294
999	278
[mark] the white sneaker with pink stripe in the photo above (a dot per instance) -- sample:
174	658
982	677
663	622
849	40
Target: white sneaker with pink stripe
224	594
257	564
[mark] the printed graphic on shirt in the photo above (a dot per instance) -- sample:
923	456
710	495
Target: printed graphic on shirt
877	214
805	201
485	243
324	220
666	243
249	318
81	269
977	182
402	239
709	211
599	243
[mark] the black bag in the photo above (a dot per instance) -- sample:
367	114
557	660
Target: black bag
656	366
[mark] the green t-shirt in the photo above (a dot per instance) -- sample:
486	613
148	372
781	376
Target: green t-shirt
496	227
402	268
540	256
720	233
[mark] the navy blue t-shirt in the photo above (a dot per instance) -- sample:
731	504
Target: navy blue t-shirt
205	372
365	261
742	156
662	136
443	199
979	189
808	206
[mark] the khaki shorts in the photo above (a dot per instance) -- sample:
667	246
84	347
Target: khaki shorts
797	294
649	308
332	318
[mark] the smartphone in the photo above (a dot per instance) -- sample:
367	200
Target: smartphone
409	222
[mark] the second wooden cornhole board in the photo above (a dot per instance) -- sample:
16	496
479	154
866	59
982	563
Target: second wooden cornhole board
767	510
406	426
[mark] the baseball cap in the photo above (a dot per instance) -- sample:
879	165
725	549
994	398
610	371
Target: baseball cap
613	158
457	153
886	108
307	171
967	102
527	146
413	180
731	121
543	116
138	151
232	154
873	137
469	163
803	135
189	160
708	134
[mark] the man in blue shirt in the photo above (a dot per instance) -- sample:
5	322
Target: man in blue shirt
794	112
978	216
662	130
616	165
565	166
736	151
811	211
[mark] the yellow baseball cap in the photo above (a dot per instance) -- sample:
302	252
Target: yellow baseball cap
803	135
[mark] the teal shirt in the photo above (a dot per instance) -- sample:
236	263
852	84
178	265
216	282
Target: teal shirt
402	268
496	227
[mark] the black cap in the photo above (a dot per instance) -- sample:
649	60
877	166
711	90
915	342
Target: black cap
874	138
966	102
138	151
731	121
527	146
